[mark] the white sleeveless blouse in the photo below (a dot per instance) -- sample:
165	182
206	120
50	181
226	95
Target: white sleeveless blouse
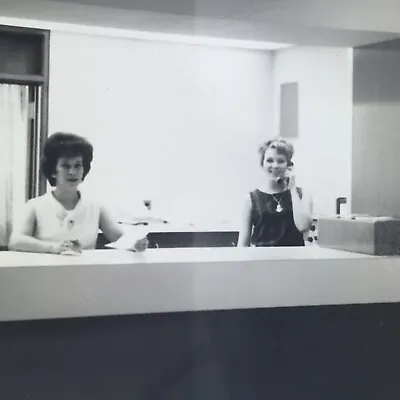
54	223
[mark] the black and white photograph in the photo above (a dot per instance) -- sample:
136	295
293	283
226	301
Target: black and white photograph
199	200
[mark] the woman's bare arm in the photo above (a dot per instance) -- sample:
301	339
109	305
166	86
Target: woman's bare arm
109	226
302	210
245	227
22	238
113	231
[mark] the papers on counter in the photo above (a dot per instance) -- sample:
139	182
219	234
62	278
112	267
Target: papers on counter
128	240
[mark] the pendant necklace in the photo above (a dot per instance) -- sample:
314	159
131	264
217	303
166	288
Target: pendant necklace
279	208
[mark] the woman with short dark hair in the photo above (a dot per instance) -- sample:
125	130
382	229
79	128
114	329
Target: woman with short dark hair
278	213
65	145
63	220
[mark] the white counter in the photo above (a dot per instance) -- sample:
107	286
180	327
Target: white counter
111	282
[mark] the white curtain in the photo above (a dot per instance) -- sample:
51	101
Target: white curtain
13	154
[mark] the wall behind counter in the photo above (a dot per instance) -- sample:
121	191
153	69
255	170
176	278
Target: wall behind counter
323	157
178	124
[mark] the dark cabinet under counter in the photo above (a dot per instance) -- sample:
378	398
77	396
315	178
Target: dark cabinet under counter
193	239
184	239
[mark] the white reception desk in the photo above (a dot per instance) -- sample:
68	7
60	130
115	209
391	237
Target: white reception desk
116	282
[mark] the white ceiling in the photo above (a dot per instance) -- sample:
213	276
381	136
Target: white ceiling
301	22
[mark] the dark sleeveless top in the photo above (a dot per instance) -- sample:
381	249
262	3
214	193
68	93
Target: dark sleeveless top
270	227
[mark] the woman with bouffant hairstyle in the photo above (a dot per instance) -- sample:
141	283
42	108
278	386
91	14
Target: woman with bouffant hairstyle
65	145
63	220
278	213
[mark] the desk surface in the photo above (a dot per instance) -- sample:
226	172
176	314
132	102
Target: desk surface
175	255
111	282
